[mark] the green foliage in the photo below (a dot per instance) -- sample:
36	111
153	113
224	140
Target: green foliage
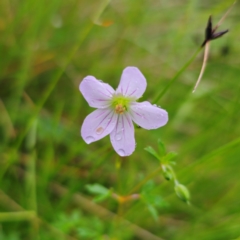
161	148
152	199
163	157
153	152
166	163
83	226
99	190
47	48
11	236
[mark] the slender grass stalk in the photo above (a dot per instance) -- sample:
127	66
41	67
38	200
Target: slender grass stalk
21	214
206	51
30	178
216	152
17	216
161	94
54	82
31	182
81	37
99	11
147	178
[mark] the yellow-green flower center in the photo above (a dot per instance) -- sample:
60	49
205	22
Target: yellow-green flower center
120	109
120	103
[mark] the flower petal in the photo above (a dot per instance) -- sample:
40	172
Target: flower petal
96	93
122	137
98	124
133	83
147	115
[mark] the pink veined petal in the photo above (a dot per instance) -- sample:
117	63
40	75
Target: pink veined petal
133	83
98	124
96	93
147	115
122	137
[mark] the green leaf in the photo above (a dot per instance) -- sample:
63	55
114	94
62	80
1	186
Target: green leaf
161	148
102	197
153	211
150	197
154	200
152	151
97	189
148	186
87	233
169	157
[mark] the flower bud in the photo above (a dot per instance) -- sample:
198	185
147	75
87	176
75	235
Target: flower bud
167	172
182	192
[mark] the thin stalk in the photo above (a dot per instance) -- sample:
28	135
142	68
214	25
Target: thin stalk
17	216
177	75
82	36
223	17
148	177
30	177
206	51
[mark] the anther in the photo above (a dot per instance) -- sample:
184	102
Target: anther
120	109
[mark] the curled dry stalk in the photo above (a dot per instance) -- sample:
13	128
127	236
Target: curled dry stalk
210	34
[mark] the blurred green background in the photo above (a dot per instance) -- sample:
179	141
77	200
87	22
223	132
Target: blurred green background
46	49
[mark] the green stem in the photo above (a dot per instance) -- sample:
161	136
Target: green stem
177	75
82	36
17	216
148	177
30	178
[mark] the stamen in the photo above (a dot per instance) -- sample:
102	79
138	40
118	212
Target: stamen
120	109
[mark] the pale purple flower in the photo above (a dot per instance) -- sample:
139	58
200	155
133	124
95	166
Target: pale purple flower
117	109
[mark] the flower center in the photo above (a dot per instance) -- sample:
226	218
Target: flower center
120	103
120	109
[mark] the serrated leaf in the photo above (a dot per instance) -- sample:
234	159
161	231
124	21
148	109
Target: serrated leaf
152	151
